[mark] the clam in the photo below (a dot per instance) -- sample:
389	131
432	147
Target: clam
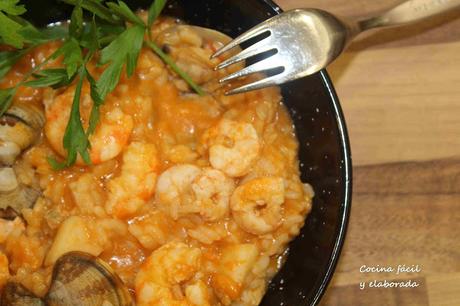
14	201
14	196
30	114
8	152
80	279
15	294
20	127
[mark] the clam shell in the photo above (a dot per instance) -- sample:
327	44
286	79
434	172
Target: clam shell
8	180
30	114
15	294
13	202
13	129
20	127
8	152
21	124
80	279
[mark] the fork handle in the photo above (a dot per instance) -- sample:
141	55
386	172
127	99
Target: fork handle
407	12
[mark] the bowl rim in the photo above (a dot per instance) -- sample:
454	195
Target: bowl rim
347	172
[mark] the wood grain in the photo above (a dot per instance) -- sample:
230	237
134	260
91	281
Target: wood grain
400	92
401	104
400	95
404	213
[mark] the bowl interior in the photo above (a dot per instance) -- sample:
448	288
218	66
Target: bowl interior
324	150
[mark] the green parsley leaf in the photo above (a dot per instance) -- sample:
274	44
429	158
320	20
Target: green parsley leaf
75	139
9	32
95	7
155	10
8	59
50	77
6	98
11	7
55	165
97	102
109	79
107	33
73	57
122	10
93	40
76	21
124	49
169	61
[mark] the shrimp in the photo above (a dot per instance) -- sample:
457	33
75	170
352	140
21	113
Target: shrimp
173	191
185	189
135	185
233	147
212	190
235	264
112	133
257	205
198	293
165	272
4	270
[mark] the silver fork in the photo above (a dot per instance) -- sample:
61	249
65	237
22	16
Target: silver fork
305	41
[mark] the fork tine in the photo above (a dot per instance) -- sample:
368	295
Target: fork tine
257	48
273	80
261	66
259	29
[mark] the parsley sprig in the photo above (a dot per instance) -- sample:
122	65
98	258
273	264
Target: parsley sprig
115	33
9	31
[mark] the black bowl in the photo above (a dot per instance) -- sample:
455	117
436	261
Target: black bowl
325	159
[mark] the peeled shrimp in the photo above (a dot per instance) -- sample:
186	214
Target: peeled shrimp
233	147
185	189
165	272
212	190
173	191
135	185
257	205
4	270
235	264
111	135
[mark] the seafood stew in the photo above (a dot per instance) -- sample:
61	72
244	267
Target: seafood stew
186	199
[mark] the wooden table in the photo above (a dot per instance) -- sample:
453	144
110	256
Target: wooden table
400	91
